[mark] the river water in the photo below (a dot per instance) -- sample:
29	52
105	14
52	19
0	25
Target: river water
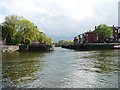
62	68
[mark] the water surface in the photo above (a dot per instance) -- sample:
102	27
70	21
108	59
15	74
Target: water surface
62	68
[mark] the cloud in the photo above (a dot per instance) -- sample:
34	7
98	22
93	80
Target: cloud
62	18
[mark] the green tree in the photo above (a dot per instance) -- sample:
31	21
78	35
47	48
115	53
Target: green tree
103	32
9	28
65	42
26	31
18	30
41	37
48	40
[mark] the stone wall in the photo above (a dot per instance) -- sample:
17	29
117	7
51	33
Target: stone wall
35	48
7	48
91	46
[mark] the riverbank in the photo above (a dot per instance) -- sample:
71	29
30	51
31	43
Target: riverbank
36	48
8	48
91	46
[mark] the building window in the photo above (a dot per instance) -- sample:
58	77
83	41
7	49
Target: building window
86	34
116	31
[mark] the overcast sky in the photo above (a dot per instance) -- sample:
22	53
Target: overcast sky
63	19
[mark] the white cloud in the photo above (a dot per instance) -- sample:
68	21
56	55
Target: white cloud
62	16
78	9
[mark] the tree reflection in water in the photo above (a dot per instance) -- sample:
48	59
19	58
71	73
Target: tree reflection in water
104	65
106	62
20	67
103	61
87	68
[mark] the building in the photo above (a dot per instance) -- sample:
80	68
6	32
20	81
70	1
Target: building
115	34
119	34
90	37
76	40
80	37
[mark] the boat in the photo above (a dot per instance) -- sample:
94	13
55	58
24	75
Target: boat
117	47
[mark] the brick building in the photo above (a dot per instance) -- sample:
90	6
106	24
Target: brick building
91	36
115	34
118	34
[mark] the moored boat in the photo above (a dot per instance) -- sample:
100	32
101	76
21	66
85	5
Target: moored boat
117	47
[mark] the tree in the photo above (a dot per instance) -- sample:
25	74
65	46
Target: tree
65	42
41	37
48	40
27	30
9	28
103	32
18	30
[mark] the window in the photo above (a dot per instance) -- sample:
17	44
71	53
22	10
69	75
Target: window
116	31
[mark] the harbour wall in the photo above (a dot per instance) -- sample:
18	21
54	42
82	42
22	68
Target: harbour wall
36	48
91	46
8	48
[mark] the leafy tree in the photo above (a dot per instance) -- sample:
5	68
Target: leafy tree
48	40
103	31
65	42
26	30
41	37
9	28
18	30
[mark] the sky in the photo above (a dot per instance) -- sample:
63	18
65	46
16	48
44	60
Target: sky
63	19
